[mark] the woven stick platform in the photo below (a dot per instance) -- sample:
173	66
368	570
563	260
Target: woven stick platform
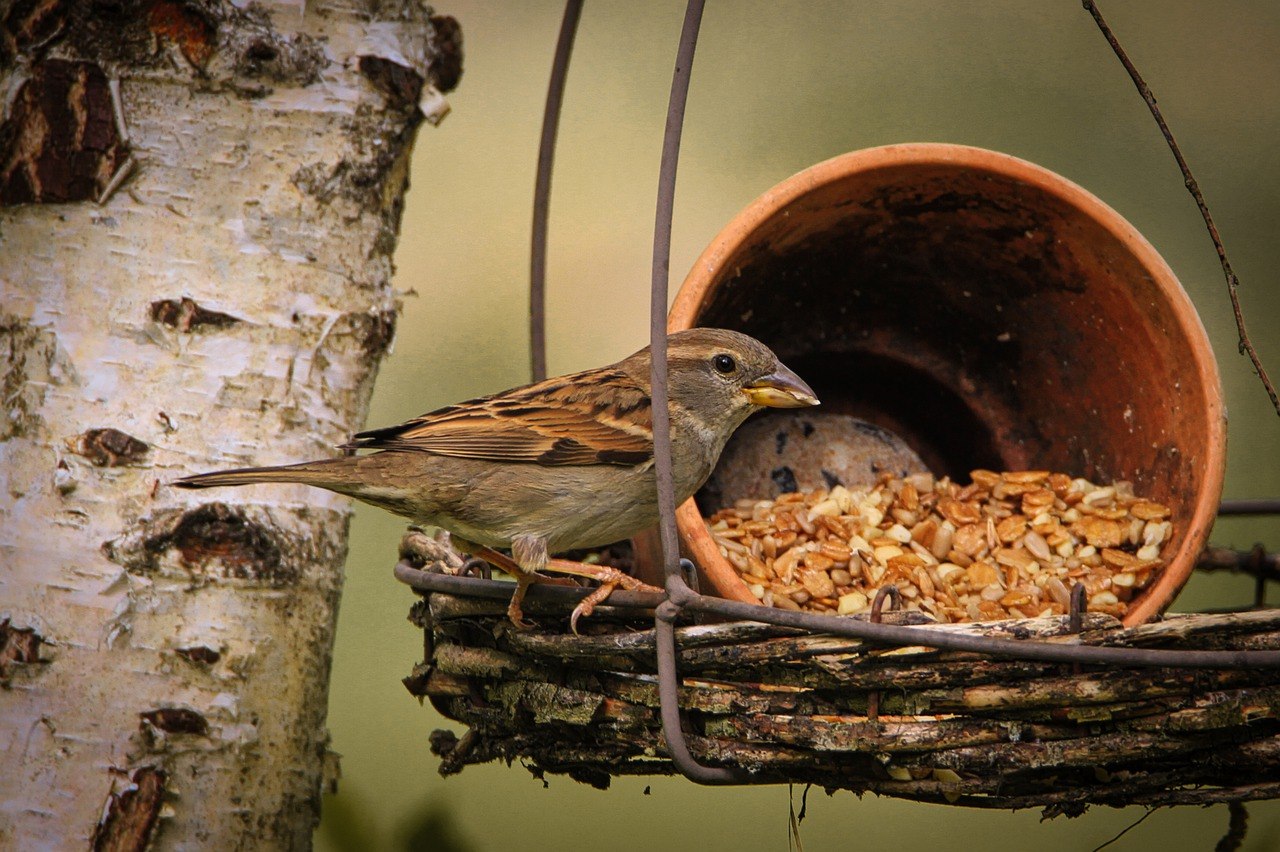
785	706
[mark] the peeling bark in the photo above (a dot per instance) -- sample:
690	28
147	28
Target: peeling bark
131	812
165	656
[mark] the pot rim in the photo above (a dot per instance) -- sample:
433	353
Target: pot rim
694	291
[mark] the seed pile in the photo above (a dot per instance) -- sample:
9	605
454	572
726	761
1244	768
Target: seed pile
1008	545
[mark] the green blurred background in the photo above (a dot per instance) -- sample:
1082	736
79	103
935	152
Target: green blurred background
776	87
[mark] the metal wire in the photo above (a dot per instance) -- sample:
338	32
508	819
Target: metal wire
542	191
879	633
430	582
893	634
669	706
669	548
1262	506
1256	562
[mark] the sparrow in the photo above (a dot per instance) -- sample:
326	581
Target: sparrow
561	464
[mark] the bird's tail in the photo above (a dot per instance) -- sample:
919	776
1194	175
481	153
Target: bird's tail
327	473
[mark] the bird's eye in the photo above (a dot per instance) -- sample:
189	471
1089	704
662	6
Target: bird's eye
724	363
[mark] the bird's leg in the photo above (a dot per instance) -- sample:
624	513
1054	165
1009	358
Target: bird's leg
498	560
530	556
529	553
608	578
522	575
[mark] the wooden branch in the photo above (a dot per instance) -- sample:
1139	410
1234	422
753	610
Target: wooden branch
1193	187
955	728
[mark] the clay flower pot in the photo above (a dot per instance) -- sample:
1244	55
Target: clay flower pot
988	312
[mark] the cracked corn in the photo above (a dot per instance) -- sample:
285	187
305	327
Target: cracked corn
1008	545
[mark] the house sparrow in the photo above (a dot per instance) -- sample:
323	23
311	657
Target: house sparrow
561	464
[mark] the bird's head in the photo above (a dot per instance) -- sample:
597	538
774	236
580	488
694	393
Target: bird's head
722	376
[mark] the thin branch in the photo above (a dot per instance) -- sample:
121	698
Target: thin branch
1256	563
794	841
1127	829
1233	283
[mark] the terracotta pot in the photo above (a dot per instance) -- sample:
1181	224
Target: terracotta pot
987	311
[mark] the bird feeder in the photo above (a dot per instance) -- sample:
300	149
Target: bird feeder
987	312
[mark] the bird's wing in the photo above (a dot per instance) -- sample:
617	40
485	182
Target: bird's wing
595	417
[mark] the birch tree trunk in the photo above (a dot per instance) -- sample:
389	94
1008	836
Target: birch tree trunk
198	206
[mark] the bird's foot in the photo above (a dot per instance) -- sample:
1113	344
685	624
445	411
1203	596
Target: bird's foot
587	605
514	612
608	578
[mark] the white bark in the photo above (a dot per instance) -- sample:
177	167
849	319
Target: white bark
167	652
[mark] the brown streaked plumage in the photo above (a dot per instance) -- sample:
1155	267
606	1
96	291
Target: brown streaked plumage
560	464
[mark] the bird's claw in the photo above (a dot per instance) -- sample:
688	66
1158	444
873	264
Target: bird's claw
516	617
587	605
609	579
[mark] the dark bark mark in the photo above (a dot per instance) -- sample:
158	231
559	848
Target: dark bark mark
176	720
361	175
225	46
380	140
363	334
185	314
446	46
110	447
376	332
261	53
214	540
376	173
18	645
219	534
402	86
185	25
27	24
130	815
60	142
199	654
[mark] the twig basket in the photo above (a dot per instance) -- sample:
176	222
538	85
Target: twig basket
914	723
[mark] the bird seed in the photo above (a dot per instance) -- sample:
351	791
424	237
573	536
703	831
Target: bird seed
1008	545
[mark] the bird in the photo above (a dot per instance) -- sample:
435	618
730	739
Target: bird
561	464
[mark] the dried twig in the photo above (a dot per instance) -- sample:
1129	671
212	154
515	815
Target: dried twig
1128	828
1233	283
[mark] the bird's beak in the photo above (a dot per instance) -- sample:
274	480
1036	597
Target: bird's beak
780	389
